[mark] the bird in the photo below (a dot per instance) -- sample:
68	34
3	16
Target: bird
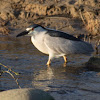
56	43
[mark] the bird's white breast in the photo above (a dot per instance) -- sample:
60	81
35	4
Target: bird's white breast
38	41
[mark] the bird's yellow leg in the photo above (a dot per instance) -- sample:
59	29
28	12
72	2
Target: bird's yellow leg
49	62
65	59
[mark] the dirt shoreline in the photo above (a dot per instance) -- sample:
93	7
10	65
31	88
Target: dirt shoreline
72	16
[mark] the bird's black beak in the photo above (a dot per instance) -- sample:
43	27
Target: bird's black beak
22	33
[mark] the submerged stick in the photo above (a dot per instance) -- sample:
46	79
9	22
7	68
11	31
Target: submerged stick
9	69
16	80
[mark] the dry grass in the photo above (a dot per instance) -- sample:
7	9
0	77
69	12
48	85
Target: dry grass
91	22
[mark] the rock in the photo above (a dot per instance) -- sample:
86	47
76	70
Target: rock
25	94
94	62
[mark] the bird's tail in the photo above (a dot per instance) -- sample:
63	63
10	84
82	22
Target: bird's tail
82	47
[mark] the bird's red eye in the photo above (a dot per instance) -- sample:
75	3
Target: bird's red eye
32	29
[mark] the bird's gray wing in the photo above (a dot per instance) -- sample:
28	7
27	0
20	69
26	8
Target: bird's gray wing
60	45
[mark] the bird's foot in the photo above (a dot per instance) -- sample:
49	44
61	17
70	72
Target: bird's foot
48	63
65	64
65	59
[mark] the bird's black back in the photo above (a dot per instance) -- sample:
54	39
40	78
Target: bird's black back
54	33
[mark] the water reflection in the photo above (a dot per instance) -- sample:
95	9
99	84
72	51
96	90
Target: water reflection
55	75
13	45
43	78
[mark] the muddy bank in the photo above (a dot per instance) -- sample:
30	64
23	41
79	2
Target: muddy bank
74	16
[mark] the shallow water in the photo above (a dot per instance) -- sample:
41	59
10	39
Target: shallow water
73	82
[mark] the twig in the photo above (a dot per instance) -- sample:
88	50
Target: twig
96	46
9	69
12	77
82	17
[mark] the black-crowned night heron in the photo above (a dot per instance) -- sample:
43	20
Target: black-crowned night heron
56	43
